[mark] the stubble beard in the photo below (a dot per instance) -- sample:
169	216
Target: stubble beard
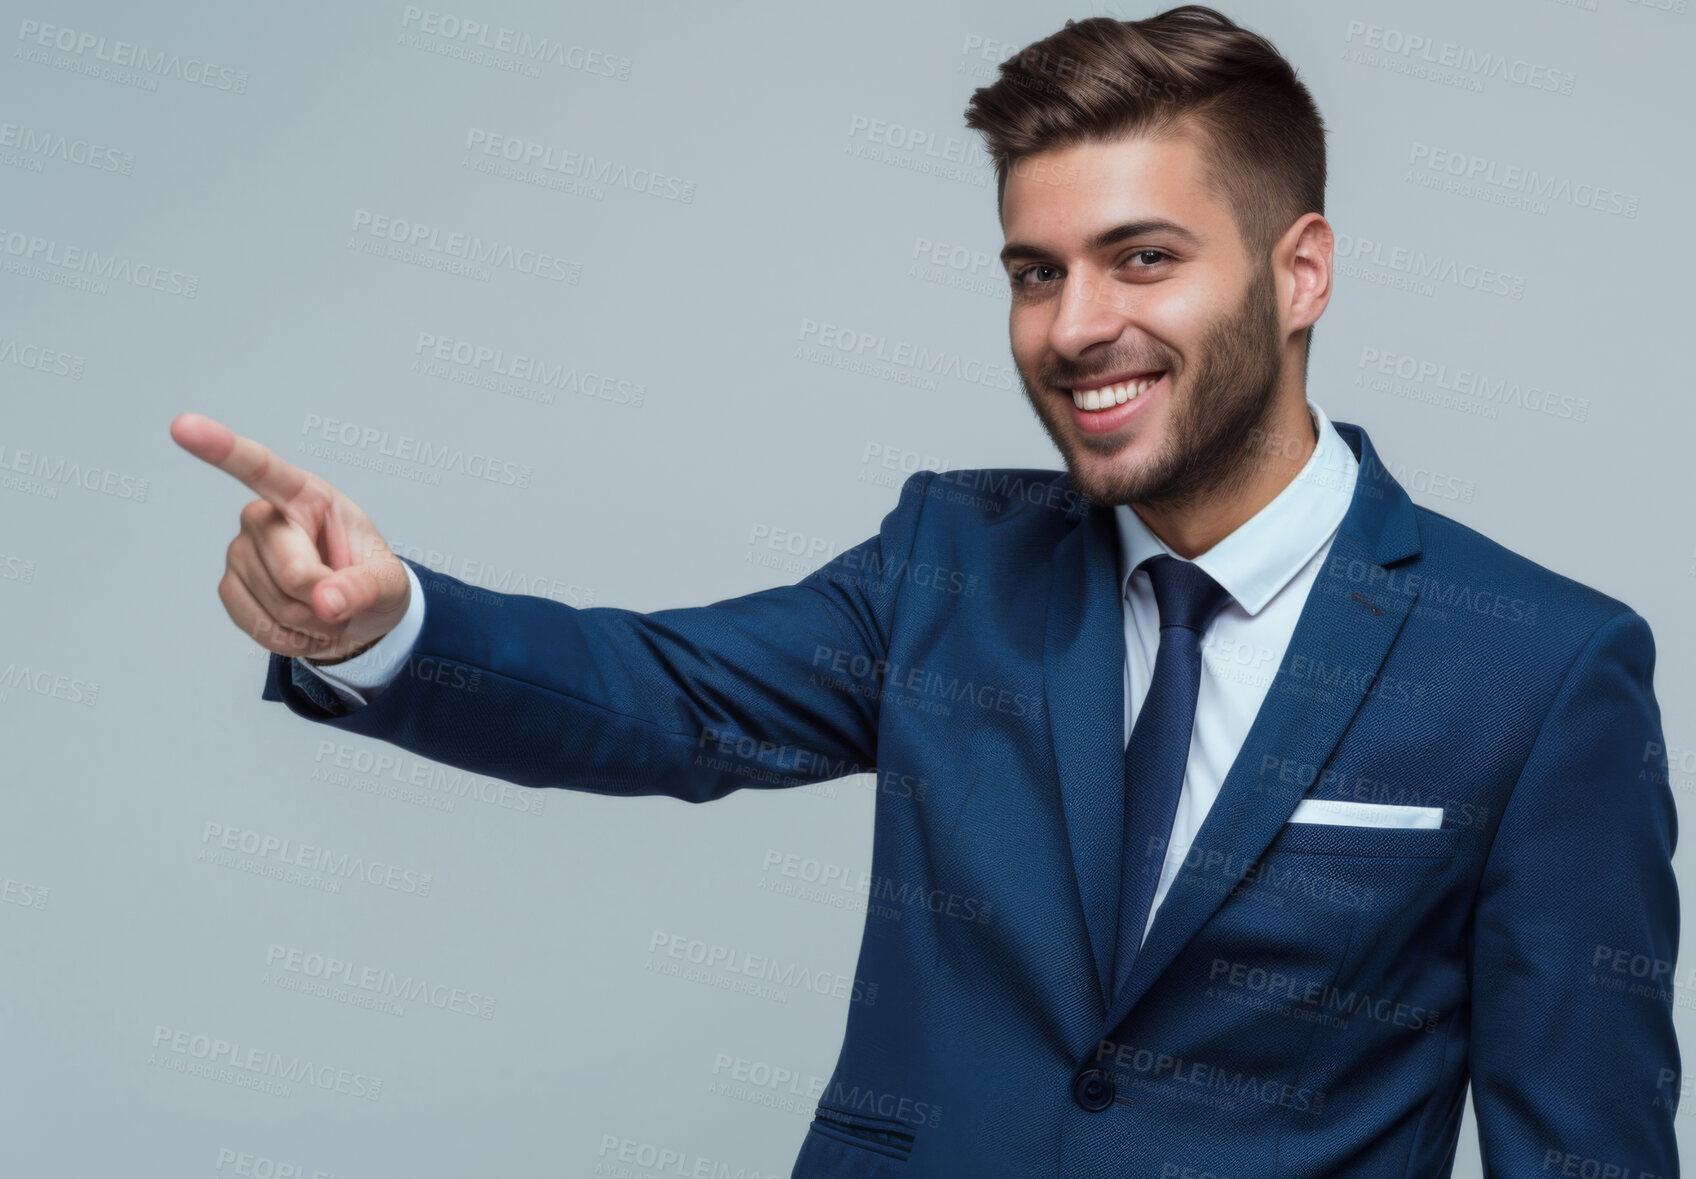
1218	416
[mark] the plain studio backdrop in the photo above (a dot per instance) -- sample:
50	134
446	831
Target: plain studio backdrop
713	236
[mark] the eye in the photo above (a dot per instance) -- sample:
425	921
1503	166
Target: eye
1019	274
1159	255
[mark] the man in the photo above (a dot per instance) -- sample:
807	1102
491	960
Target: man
1264	921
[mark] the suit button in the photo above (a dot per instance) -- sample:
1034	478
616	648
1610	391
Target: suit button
1093	1089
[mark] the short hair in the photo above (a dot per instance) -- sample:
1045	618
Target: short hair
1262	139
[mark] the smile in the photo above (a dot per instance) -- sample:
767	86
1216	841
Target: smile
1105	408
1107	396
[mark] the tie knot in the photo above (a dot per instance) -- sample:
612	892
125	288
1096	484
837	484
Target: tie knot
1187	596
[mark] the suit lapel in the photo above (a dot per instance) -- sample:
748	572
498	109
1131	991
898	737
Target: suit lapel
1083	661
1344	632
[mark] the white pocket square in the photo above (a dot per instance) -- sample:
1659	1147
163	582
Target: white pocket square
1342	812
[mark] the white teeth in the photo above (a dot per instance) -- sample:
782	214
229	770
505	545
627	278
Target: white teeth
1112	395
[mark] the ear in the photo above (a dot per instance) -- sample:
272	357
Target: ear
1302	265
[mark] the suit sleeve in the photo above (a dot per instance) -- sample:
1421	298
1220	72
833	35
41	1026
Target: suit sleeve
774	688
1574	1060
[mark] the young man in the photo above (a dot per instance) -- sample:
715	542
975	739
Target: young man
1266	921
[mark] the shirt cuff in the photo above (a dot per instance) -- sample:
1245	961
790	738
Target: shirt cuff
359	679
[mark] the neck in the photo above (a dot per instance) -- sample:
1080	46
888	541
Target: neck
1266	467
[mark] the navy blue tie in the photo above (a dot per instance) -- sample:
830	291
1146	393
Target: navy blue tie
1160	742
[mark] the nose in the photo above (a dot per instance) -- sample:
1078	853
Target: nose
1090	312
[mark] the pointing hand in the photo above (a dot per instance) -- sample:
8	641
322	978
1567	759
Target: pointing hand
308	574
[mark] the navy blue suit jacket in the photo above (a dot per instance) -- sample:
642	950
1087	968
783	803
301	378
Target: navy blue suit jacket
1312	999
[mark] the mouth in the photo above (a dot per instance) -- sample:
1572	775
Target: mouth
1101	406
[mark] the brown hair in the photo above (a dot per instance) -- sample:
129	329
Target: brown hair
1263	141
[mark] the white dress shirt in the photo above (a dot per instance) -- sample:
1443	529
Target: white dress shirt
1267	565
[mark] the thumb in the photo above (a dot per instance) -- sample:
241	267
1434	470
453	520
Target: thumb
350	592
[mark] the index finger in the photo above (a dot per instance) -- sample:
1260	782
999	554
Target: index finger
276	479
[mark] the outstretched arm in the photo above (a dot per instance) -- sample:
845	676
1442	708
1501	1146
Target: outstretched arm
774	688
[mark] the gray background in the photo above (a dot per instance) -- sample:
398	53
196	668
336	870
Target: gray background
130	714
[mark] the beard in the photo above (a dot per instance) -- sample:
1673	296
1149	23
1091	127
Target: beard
1217	418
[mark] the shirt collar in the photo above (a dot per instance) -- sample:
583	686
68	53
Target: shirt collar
1269	548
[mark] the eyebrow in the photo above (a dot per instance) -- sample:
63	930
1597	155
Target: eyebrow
1108	237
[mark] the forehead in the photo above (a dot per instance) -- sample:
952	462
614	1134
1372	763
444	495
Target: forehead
1057	199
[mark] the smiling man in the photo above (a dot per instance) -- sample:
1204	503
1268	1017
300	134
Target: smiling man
1153	349
1126	918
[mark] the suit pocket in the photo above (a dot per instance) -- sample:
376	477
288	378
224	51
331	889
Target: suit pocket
892	1139
1339	839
